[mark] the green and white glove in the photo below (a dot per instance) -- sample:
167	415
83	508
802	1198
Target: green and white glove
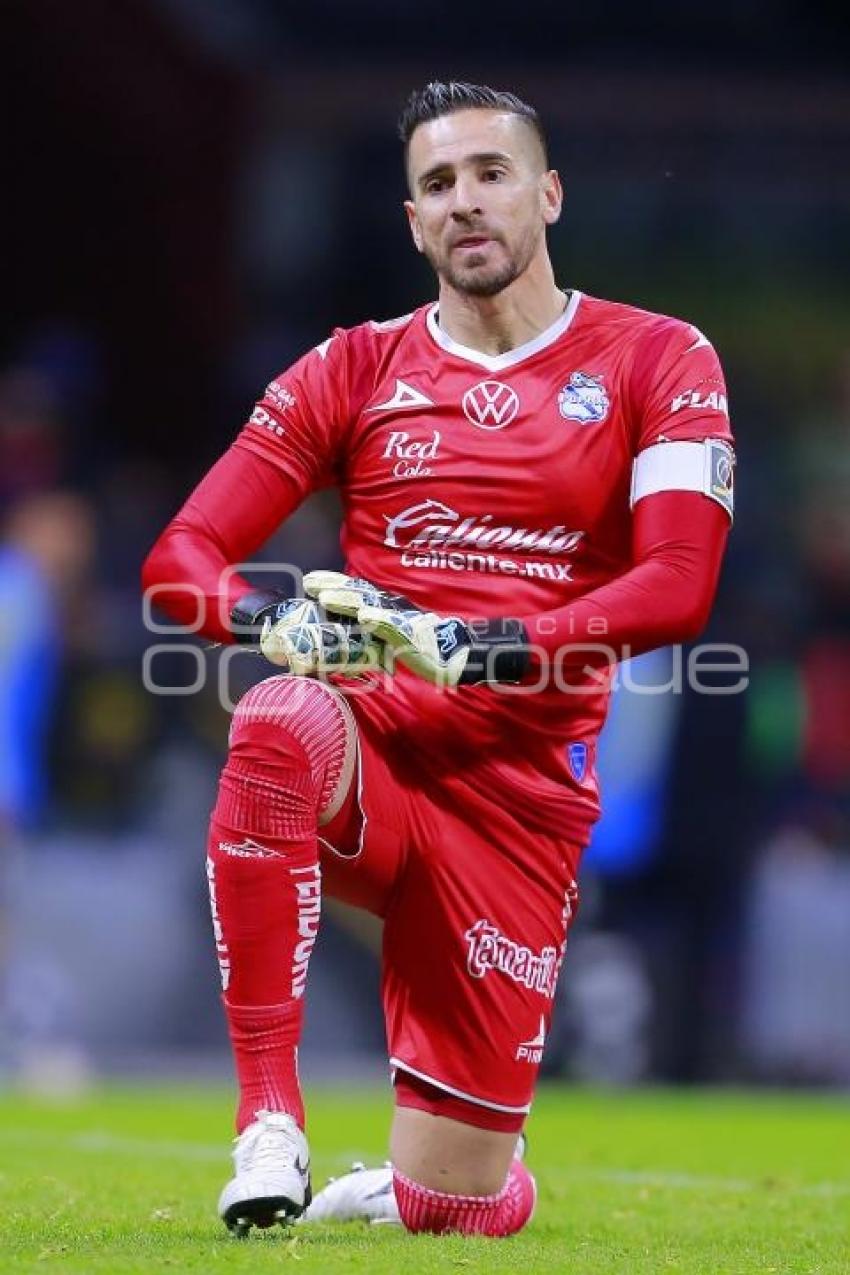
443	650
296	635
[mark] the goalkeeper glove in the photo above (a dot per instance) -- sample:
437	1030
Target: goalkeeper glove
443	650
295	634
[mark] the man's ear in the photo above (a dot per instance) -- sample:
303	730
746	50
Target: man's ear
413	222
551	196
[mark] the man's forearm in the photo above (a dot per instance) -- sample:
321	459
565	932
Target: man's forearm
664	598
230	514
186	576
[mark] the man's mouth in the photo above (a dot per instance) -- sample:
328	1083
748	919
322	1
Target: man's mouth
472	241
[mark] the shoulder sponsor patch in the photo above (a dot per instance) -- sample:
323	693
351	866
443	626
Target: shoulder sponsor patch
278	394
702	399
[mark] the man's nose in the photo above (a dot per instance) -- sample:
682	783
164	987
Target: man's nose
466	200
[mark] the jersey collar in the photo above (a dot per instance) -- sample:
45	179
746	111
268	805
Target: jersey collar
498	362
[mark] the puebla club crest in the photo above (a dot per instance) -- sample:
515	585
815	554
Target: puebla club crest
584	399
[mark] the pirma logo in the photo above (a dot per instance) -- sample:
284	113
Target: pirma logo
531	1051
249	849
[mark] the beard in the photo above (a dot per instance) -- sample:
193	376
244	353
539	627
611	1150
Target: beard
481	280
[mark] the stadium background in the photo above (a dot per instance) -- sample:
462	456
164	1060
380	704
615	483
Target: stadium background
196	191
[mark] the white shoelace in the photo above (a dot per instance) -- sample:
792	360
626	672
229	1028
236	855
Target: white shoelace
265	1145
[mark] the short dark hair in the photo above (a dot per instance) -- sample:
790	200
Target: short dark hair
439	98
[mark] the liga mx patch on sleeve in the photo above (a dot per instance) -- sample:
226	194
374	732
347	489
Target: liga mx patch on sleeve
720	464
704	465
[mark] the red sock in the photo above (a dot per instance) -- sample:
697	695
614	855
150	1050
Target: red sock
498	1215
265	891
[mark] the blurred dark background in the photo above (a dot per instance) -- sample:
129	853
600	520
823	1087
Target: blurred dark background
198	190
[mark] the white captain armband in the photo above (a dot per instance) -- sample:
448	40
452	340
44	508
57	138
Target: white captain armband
706	466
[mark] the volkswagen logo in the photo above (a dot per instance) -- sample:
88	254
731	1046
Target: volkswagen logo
490	405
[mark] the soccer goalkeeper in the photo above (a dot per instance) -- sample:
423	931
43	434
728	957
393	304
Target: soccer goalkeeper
536	483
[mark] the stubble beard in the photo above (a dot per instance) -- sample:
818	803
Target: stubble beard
475	281
481	284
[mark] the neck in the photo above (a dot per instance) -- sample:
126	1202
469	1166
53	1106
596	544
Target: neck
517	314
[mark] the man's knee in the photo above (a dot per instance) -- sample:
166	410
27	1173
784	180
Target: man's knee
288	703
450	1176
447	1154
302	723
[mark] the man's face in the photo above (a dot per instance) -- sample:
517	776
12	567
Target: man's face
481	198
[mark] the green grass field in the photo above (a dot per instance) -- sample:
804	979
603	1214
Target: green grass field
648	1183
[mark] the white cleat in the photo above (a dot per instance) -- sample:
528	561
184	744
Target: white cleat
365	1195
362	1195
272	1179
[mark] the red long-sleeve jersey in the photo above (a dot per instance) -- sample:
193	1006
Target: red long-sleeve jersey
581	482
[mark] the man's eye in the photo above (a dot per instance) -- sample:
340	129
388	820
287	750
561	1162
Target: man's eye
493	174
434	186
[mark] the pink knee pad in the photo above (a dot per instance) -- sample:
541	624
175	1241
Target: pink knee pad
297	714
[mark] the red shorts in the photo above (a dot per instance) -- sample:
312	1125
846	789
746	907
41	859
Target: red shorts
476	910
